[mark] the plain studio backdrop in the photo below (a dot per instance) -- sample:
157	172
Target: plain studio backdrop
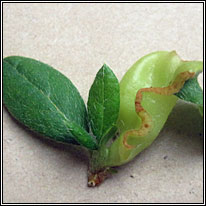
77	39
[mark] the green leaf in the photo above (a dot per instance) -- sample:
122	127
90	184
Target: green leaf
103	103
192	92
45	101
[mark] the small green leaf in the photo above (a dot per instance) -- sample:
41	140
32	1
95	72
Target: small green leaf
192	92
103	103
45	101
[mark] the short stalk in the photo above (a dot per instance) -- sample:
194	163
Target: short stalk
98	168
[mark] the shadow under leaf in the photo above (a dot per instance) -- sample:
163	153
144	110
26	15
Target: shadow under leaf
76	152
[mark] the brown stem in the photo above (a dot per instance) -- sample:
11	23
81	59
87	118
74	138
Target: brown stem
95	179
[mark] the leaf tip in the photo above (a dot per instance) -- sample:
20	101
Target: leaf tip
105	66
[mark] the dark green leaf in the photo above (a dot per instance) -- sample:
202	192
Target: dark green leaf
103	102
192	92
45	101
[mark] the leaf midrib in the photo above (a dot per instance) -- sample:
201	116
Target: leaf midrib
56	107
103	102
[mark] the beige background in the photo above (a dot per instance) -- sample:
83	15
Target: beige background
77	39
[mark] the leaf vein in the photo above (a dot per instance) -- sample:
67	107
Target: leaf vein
47	96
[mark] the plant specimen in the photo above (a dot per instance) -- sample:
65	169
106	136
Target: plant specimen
121	119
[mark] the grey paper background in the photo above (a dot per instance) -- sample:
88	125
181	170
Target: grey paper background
77	39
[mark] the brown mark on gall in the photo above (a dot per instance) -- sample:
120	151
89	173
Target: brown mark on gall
144	115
